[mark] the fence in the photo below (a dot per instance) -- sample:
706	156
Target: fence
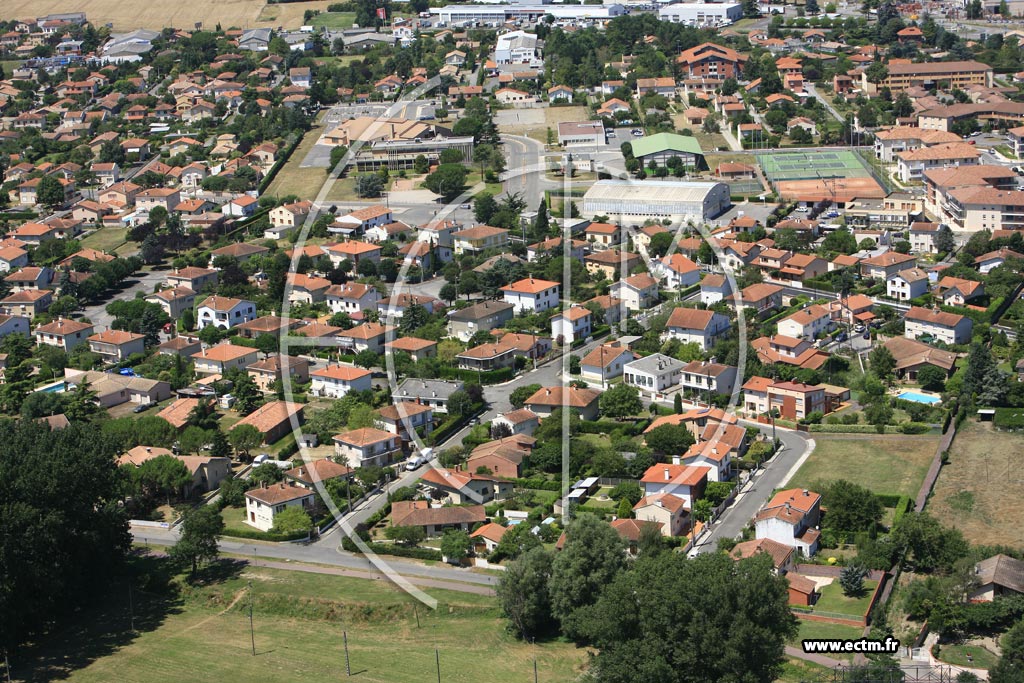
824	571
936	466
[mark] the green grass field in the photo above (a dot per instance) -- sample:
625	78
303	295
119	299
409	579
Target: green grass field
833	600
335	20
893	463
957	655
819	630
106	239
299	618
807	164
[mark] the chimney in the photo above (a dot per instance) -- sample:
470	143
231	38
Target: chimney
302	471
788	507
264	486
667	475
805	492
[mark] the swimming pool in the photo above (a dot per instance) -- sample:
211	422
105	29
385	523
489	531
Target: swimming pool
57	388
919	398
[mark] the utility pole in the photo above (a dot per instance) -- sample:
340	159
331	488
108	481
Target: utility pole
131	608
437	659
348	667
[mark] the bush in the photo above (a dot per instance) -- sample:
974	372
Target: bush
914	428
538	483
608	426
902	507
396	550
851	429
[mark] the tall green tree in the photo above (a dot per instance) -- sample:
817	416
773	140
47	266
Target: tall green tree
677	620
65	533
197	544
1010	668
524	596
622	400
591	558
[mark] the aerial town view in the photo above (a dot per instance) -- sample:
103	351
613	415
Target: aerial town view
615	342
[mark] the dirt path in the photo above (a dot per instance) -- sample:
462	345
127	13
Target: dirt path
821	660
375	576
235	601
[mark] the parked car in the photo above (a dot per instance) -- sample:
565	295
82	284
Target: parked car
859	327
841	337
867	335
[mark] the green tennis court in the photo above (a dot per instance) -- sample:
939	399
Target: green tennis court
806	165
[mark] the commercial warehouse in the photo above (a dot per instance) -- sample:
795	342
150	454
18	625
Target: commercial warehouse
701	13
499	14
635	202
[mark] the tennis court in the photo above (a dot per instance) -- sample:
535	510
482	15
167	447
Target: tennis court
805	165
810	176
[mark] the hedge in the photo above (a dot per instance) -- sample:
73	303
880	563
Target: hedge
279	164
394	549
608	426
902	507
851	429
537	483
485	377
452	426
914	428
258	535
889	500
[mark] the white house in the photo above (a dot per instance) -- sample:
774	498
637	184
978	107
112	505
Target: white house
907	284
807	323
714	288
532	295
606	362
683	481
680	271
367	447
790	518
262	504
696	326
352	297
639	291
572	325
224	312
654	374
335	381
948	328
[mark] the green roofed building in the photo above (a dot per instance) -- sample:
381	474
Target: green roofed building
661	147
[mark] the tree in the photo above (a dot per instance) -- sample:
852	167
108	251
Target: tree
197	544
244	438
220	446
670	617
1010	667
448	292
265	474
677	404
523	592
193	439
519	396
591	558
232	492
841	241
292	521
625	509
163	475
65	531
882	363
621	400
459	403
367	359
932	378
926	544
188	320
369	185
447	181
541	223
876	72
484	207
669	439
50	192
851	507
811	7
944	242
851	579
455	545
406	535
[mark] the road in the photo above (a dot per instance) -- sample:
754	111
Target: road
325	555
522	154
755	493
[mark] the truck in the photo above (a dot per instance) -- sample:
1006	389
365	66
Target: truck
418	461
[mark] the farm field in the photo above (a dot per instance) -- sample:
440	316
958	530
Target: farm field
978	489
335	20
299	619
181	14
893	463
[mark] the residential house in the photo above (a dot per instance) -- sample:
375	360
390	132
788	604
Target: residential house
215	360
807	323
886	265
429	392
606	362
911	355
532	295
501	457
680	272
367	447
714	288
691	325
365	337
115	346
405	418
907	284
275	420
224	312
686	482
478	239
193	278
654	375
272	369
997	577
955	291
791	518
548	399
263	503
64	334
308	474
520	421
436	520
174	300
781	348
639	291
335	381
572	325
701	377
948	328
353	298
462	487
666	509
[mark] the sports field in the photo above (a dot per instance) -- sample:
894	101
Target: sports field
805	165
837	175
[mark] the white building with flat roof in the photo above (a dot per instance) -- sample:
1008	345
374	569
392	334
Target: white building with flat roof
701	13
625	201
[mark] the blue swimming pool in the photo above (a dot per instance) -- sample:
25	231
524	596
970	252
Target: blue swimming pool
57	388
919	398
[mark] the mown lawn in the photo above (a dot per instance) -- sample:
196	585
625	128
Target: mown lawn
819	630
893	463
299	620
957	655
106	239
335	20
833	600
